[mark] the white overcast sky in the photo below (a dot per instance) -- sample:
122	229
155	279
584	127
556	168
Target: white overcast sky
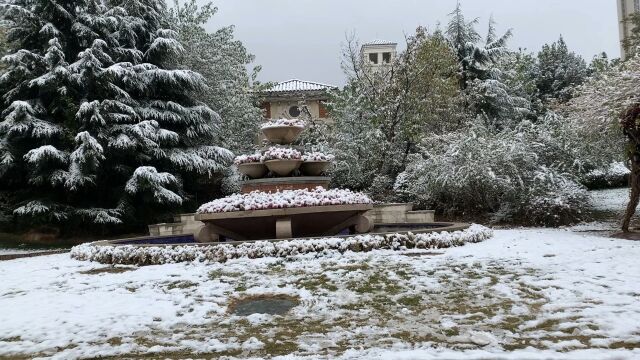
302	38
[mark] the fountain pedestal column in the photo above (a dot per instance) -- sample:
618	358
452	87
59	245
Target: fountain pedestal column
283	228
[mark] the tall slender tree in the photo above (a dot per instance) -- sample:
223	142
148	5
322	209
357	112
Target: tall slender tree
480	76
223	61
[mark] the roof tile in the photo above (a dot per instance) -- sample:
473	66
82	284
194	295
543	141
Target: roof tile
299	85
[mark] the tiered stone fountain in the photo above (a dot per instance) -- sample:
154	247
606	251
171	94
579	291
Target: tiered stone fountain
281	162
282	168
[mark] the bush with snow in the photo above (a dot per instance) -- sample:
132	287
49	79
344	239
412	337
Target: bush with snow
247	159
317	156
283	122
480	171
157	255
612	175
278	153
258	200
549	199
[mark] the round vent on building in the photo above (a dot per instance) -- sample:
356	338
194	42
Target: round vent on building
294	111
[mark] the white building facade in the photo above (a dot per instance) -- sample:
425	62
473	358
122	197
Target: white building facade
625	8
378	53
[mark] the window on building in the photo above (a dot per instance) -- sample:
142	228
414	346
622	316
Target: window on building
386	57
373	58
636	5
294	111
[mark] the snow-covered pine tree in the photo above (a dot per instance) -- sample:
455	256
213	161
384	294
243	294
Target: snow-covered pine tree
480	76
97	126
561	71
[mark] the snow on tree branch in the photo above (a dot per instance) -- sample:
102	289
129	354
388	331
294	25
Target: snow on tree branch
148	179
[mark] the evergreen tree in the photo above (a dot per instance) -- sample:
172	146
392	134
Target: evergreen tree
480	75
97	127
520	71
476	59
222	60
561	71
600	64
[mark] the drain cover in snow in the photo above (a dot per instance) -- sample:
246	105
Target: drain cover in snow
263	305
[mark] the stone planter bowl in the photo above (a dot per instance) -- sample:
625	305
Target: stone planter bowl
283	167
254	170
282	134
314	168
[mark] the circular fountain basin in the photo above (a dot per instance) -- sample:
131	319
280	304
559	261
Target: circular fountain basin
314	168
282	134
283	167
253	170
309	221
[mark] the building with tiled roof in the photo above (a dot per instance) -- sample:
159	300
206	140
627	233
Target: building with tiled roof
378	53
299	85
379	42
284	99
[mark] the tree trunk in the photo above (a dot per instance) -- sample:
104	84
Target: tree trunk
634	197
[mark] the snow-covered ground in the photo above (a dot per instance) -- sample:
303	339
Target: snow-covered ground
609	205
614	200
526	293
13	251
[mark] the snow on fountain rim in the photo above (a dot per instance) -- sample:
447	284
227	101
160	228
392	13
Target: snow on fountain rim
317	156
248	159
283	122
258	200
280	153
158	255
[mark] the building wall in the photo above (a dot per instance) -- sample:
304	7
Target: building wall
280	109
625	8
378	49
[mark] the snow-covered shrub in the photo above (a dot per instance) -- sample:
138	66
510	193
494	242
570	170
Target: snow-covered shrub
157	255
381	188
317	156
549	199
230	182
247	159
480	170
610	176
258	200
283	122
278	153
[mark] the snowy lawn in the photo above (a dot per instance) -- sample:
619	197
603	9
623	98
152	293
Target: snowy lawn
610	200
524	293
608	208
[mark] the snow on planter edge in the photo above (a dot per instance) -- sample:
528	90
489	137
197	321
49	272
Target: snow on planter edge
157	255
259	200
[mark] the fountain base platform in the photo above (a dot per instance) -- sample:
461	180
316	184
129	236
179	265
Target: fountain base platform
284	223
